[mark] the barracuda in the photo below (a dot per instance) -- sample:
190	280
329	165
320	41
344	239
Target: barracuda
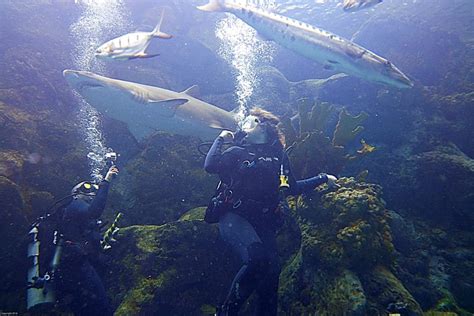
147	109
356	5
329	49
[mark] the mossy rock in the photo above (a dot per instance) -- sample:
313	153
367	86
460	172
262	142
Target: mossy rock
171	269
385	292
194	214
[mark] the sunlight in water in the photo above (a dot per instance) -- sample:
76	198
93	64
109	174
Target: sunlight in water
100	20
241	48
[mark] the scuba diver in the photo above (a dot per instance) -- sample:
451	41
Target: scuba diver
78	283
250	203
71	281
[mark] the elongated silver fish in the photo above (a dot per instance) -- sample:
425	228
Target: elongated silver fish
329	49
147	109
356	5
131	45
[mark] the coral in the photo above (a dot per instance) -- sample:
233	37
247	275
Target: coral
312	151
347	128
313	116
343	234
314	154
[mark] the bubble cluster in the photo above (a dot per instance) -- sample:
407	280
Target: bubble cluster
98	23
241	48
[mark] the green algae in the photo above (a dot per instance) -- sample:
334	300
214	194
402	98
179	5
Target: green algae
177	265
195	214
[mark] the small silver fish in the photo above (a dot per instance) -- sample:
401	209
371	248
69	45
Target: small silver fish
356	5
131	45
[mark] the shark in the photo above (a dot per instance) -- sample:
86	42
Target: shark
131	45
147	109
329	49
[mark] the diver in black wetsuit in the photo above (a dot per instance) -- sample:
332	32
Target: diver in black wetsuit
79	286
250	172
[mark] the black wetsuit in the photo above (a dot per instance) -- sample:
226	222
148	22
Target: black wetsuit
79	286
251	225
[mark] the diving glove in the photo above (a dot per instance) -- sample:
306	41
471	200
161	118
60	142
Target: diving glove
332	182
113	171
227	135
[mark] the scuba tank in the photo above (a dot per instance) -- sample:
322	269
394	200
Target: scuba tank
40	294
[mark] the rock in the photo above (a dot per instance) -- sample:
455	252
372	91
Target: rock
13	229
386	292
345	296
445	182
194	214
171	269
403	232
343	234
162	182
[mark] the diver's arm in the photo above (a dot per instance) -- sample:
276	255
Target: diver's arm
213	157
305	185
98	204
308	185
214	160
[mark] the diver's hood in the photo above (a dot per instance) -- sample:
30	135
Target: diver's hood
85	188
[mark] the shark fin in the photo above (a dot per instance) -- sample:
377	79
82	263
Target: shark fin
157	33
171	104
213	6
145	55
216	125
192	91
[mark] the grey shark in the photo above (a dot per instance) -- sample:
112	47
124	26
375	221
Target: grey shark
147	109
329	49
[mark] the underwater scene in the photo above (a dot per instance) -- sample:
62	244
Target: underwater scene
237	157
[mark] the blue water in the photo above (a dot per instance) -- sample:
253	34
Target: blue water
423	135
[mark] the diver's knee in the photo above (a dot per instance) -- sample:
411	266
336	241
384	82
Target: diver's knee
258	256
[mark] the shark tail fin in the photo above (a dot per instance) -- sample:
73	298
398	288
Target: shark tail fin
213	6
157	33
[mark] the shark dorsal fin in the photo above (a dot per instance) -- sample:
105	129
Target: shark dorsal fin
192	91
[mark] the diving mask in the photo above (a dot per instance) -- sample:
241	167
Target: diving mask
254	129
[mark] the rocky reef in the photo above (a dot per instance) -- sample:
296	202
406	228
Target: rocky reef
176	268
344	263
396	237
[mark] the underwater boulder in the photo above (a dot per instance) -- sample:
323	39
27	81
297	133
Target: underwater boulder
344	233
387	293
445	179
172	269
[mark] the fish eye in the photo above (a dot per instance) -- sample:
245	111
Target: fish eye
256	120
